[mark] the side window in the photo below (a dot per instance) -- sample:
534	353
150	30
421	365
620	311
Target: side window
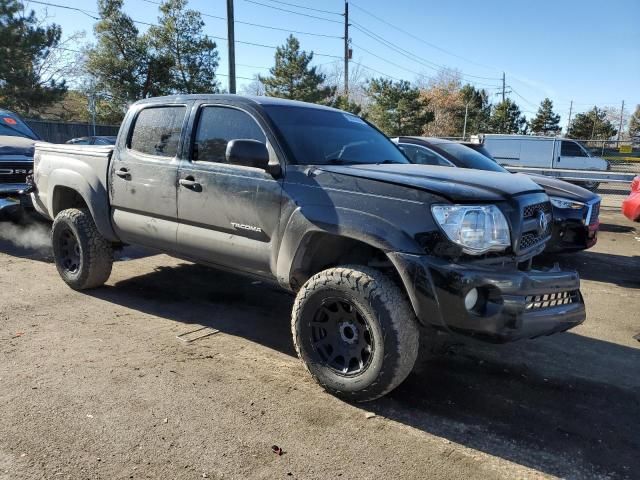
157	131
423	156
571	149
219	125
82	141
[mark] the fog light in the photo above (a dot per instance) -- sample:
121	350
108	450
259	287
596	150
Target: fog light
471	298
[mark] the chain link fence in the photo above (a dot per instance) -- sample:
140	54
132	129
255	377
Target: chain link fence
624	157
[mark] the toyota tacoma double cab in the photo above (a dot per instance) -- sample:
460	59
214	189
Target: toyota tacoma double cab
377	250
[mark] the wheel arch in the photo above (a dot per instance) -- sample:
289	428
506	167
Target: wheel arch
69	189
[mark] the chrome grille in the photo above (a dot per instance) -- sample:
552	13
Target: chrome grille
548	300
11	172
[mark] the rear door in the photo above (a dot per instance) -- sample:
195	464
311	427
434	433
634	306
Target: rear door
536	152
143	177
228	214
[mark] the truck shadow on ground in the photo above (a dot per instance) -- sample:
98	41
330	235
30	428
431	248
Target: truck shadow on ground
566	405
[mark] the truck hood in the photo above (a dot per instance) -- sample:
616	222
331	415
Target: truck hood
16	146
559	188
455	184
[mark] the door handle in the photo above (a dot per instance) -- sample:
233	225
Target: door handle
190	183
123	173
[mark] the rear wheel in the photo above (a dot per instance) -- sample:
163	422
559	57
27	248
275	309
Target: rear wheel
356	332
83	257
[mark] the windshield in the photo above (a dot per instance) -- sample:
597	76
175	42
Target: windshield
325	137
13	126
466	157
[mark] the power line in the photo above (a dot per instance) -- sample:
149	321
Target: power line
295	13
305	7
272	46
269	27
85	12
529	102
410	55
385	60
424	41
376	71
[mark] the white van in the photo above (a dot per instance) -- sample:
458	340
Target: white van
541	152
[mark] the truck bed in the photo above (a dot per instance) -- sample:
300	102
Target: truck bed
83	167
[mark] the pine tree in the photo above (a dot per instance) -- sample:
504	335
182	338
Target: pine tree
478	113
592	125
179	37
546	122
25	47
123	64
634	123
507	118
397	108
292	78
343	103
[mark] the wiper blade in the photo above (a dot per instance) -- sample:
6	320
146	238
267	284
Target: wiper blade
339	161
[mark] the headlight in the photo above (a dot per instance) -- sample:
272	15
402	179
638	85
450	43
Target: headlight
477	228
560	202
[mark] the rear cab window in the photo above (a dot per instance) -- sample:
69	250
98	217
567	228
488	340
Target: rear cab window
157	131
217	126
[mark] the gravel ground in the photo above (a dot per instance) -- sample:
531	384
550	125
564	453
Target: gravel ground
173	370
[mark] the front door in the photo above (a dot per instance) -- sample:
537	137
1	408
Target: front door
143	177
228	214
571	156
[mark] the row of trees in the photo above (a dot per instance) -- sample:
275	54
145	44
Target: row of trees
176	56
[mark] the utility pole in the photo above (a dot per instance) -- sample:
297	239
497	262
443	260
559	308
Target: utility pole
232	47
466	113
504	86
570	111
620	128
346	49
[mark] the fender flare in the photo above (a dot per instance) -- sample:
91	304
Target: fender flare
92	192
304	222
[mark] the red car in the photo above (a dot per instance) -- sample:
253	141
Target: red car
631	206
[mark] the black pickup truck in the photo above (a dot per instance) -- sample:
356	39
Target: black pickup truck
322	203
17	142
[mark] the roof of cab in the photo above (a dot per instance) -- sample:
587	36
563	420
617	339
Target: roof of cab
431	140
238	99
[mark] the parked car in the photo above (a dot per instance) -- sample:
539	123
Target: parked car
17	142
93	140
320	202
575	210
543	152
631	205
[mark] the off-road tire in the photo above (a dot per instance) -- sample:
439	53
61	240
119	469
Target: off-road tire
392	324
95	252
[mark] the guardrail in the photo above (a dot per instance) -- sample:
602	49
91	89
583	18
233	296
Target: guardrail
578	175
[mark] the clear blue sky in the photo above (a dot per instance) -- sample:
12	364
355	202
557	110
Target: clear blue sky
579	50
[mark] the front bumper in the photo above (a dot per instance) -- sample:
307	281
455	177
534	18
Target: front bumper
574	230
12	198
512	304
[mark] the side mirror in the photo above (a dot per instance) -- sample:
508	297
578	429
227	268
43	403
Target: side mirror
248	153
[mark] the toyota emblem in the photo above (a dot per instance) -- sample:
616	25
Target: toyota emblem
543	222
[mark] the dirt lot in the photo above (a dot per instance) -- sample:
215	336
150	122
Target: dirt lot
98	385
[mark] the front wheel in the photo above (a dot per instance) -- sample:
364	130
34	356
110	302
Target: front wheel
83	257
355	331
